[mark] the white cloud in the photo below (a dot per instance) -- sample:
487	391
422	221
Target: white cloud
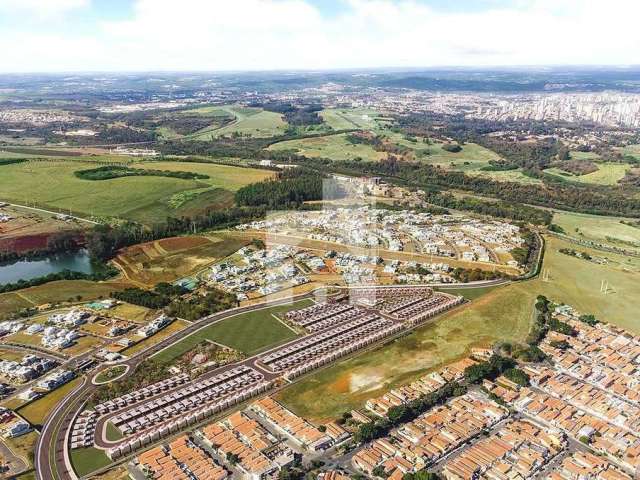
41	8
291	34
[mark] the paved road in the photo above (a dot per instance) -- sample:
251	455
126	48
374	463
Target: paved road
51	212
50	450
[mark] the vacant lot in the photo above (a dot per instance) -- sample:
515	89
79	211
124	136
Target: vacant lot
170	259
607	230
248	332
501	314
145	199
142	344
87	460
37	411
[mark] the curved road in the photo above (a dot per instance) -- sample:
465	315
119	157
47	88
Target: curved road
50	453
50	450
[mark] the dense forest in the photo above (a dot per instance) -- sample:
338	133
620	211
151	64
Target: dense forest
600	200
108	172
291	187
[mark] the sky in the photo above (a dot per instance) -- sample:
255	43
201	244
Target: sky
232	35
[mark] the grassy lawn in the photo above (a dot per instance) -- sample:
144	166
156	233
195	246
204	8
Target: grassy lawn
248	332
606	230
470	159
343	119
36	412
336	147
110	373
144	199
87	460
112	433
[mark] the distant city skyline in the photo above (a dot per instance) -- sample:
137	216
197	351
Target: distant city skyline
244	35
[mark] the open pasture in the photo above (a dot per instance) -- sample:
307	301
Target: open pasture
501	314
335	147
605	230
147	199
607	174
252	122
359	118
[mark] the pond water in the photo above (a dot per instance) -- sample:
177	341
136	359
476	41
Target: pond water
28	269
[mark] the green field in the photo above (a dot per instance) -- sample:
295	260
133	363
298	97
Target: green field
605	230
252	122
607	174
37	411
507	176
335	147
633	150
145	199
470	159
87	460
577	282
584	155
344	119
500	314
248	332
55	292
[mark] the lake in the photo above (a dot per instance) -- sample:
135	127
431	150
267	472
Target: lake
28	269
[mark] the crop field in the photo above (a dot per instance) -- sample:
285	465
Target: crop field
500	314
335	147
248	332
605	230
170	259
145	199
607	174
252	122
